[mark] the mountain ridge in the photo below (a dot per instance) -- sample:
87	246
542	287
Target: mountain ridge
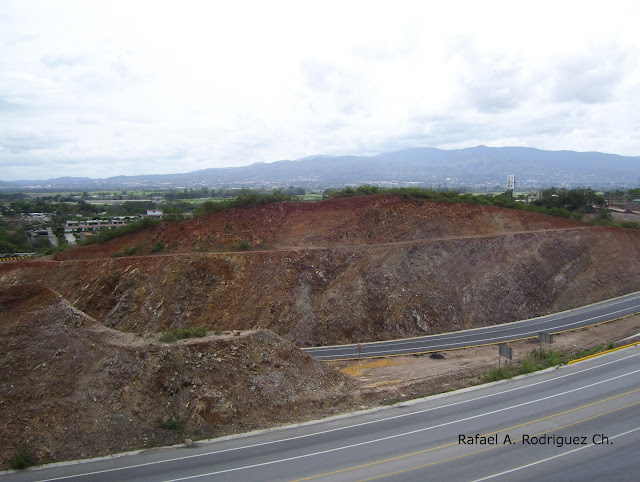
427	166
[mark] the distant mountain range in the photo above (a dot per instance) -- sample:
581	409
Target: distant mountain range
476	167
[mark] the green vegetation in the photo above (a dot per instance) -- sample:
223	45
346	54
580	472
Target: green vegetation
176	424
241	246
368	189
133	250
311	197
625	196
584	201
205	192
245	198
51	250
574	200
566	203
180	204
17	240
182	333
13	240
52	205
590	351
539	360
609	221
108	234
502	200
628	224
130	208
22	460
158	247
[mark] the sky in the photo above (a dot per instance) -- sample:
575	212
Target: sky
99	89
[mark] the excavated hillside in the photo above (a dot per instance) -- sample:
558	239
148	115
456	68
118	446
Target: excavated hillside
84	372
355	221
72	388
350	269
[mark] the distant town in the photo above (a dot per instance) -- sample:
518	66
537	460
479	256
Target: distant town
476	169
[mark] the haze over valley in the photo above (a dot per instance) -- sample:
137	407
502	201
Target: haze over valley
479	168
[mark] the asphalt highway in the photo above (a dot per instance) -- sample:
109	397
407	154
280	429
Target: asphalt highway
554	323
575	422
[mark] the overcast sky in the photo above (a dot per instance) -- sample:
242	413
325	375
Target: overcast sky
103	88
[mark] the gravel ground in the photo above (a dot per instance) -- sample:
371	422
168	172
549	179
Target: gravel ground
393	379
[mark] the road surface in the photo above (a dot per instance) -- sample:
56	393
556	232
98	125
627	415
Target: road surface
555	323
576	422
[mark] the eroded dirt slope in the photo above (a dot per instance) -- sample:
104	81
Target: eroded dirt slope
71	388
468	266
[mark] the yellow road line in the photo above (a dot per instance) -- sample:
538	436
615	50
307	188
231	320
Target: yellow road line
485	435
499	446
603	352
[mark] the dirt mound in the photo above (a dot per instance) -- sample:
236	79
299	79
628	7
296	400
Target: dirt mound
72	388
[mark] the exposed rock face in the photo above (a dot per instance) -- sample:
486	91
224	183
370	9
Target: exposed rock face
72	388
356	269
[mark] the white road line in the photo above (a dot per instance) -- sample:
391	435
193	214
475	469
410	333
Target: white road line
403	434
487	329
476	342
554	457
298	437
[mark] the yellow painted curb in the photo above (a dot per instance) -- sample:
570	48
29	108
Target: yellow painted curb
13	258
603	352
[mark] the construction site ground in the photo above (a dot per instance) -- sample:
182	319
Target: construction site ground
389	380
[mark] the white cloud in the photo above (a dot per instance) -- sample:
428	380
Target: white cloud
106	88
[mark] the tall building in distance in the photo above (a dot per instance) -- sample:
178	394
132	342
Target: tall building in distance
511	182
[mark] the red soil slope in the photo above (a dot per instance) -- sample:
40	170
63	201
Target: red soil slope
350	269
